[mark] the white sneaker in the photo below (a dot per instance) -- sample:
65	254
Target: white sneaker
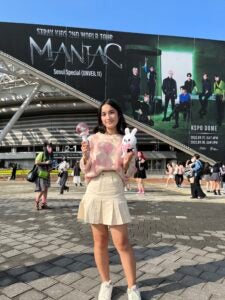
105	292
133	293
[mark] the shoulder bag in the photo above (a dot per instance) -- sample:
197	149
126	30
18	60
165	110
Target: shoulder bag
32	174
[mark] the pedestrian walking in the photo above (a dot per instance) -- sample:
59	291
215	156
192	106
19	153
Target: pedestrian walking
76	174
216	178
63	174
13	174
179	174
169	173
197	169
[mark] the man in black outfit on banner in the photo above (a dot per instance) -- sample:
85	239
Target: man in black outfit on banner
144	111
134	88
169	88
204	95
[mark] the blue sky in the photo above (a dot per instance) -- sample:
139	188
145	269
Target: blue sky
190	18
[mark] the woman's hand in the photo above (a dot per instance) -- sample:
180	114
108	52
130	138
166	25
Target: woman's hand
126	161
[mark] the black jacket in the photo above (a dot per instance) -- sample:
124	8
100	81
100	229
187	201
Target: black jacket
189	85
206	86
134	84
169	87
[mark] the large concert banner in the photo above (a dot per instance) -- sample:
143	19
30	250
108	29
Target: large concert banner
173	84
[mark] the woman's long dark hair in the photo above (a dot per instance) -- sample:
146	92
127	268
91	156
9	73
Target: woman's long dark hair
47	156
121	125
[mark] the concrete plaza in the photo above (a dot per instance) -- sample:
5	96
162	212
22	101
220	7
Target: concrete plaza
179	244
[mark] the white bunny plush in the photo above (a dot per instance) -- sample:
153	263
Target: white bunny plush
129	141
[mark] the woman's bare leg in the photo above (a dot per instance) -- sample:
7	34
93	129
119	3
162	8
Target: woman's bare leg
120	239
38	196
101	237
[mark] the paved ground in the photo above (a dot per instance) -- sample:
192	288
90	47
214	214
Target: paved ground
179	246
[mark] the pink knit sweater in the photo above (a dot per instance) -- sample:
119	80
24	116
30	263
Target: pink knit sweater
106	155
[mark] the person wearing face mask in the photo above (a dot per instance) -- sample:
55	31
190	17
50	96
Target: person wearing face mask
42	183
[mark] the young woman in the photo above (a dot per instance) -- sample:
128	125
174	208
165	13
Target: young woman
216	178
141	166
104	205
179	174
207	177
44	163
169	172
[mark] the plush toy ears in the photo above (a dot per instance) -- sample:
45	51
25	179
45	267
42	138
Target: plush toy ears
127	131
134	130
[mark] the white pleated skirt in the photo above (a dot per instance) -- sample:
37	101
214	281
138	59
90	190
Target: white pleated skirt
104	201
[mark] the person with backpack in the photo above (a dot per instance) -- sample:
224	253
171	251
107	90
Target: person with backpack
197	169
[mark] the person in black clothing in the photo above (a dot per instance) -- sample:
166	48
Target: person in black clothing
222	173
207	177
134	88
141	165
169	88
197	169
151	76
204	95
151	80
144	111
183	106
13	174
76	174
189	84
216	178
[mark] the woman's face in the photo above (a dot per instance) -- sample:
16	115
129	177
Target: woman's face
139	154
109	117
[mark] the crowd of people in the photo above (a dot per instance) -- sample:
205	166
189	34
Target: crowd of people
196	172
